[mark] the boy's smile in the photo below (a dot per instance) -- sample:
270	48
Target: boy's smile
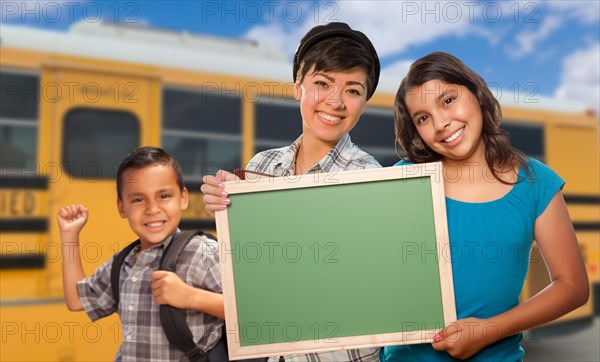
152	203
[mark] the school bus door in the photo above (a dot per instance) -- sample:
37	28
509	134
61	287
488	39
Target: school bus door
92	115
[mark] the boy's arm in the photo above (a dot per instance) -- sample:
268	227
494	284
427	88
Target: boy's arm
168	288
71	220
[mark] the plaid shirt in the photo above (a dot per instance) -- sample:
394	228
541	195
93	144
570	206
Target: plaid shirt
344	156
143	336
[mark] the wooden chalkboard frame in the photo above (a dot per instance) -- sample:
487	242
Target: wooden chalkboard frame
428	171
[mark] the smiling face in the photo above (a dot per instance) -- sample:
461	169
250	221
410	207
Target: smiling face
331	103
449	120
152	202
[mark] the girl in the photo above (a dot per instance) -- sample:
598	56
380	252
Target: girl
498	201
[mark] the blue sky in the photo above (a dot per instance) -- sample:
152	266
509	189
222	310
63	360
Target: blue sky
527	48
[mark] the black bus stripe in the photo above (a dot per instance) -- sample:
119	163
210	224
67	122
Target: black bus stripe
24	225
582	199
22	261
586	226
24	182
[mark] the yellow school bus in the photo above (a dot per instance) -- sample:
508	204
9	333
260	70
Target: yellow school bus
74	104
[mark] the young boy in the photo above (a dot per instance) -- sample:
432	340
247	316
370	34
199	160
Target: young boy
335	72
150	195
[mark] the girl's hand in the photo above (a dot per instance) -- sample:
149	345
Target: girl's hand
72	218
465	337
215	196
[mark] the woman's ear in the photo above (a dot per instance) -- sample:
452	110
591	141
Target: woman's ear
364	106
297	90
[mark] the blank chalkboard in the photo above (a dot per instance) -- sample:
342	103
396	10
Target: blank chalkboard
335	261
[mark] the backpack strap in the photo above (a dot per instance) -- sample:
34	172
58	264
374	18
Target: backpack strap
115	271
173	319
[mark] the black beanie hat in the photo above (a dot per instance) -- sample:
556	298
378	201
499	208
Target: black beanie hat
335	30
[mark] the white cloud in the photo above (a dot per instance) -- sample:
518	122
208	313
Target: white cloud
396	71
528	40
392	74
587	12
392	26
558	13
277	34
580	80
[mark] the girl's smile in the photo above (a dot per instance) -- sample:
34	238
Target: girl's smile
449	120
456	136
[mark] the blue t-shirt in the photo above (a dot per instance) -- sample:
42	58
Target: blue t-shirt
490	243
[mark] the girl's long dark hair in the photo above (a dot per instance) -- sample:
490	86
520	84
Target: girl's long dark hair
499	153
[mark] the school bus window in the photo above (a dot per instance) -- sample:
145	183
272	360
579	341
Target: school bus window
96	140
18	121
18	145
528	138
197	111
200	156
202	130
376	128
19	98
278	123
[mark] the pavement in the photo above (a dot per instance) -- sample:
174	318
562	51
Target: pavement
572	341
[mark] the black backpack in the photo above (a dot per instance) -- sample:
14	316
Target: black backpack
173	319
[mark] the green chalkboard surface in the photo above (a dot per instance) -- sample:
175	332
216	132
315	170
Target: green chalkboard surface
330	267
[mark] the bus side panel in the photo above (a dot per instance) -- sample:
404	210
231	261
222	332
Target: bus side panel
49	332
575	155
572	151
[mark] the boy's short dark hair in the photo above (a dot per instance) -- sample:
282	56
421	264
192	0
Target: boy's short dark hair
147	156
337	47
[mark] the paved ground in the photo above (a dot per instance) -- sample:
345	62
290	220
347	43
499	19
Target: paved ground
573	341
